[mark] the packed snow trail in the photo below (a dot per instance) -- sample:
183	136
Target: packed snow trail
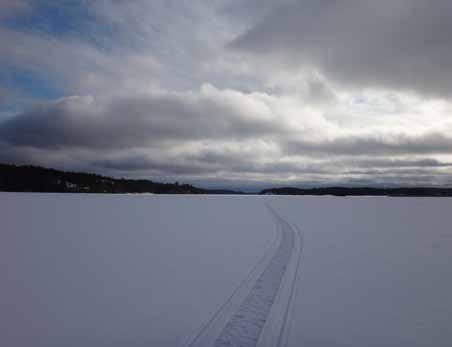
261	317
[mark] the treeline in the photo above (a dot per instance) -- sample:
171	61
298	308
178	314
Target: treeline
361	191
38	179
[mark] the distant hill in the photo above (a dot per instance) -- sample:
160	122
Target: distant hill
345	191
38	179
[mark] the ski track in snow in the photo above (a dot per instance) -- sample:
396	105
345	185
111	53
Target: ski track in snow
245	326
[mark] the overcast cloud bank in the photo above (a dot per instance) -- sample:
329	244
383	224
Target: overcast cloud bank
230	92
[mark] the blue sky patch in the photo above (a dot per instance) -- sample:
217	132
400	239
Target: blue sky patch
55	18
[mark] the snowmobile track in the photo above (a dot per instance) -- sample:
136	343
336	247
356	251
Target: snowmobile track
256	321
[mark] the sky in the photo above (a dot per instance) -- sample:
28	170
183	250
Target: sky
230	93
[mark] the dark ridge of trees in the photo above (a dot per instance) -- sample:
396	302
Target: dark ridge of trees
360	191
38	179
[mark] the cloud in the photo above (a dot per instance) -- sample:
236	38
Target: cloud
232	91
400	163
142	162
129	45
372	144
387	44
201	134
9	8
5	95
73	65
141	121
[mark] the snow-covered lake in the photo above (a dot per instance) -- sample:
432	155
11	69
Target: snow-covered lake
147	270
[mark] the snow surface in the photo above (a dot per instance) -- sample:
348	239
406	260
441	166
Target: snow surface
130	270
375	271
245	327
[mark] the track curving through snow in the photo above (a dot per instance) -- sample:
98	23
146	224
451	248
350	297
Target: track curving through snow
258	312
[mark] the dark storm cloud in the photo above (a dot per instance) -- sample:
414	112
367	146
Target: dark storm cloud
358	145
236	164
388	43
130	122
400	163
239	164
131	162
242	162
